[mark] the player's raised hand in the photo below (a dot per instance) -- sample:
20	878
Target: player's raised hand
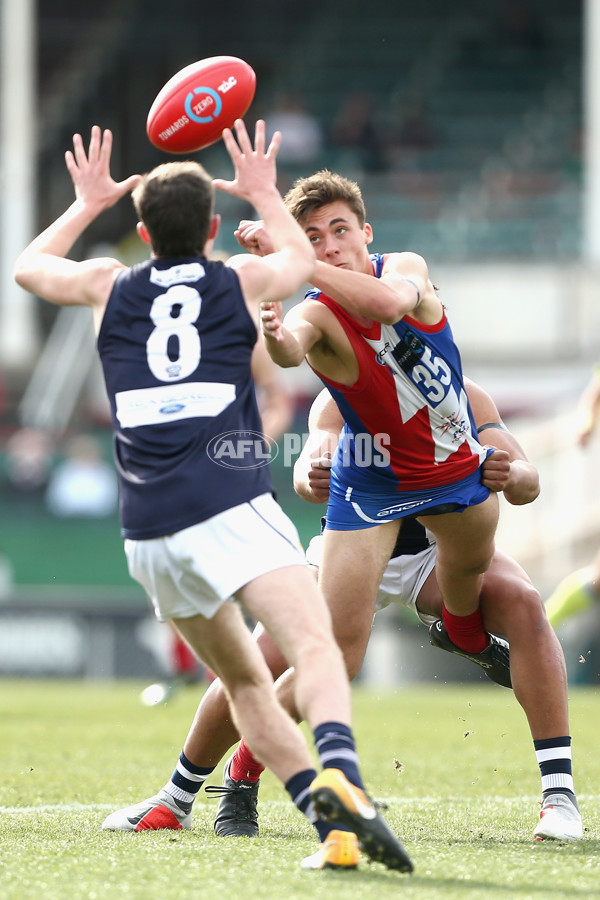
90	172
255	172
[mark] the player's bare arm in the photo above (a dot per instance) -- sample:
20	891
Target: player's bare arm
313	467
42	267
287	342
281	273
507	469
404	284
403	288
310	330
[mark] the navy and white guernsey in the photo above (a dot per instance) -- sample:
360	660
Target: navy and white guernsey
176	343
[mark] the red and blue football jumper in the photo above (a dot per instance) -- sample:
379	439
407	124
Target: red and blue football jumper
409	442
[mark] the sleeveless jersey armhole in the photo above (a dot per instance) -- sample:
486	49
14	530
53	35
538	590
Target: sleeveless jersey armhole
360	347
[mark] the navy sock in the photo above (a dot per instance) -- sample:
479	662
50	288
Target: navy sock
298	787
186	781
337	750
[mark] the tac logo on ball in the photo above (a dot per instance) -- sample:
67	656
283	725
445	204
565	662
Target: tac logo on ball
198	102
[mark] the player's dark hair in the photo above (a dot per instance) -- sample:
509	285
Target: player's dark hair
175	202
320	189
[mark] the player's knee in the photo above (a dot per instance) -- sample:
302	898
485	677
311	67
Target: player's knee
523	613
532	609
247	690
465	561
482	558
315	647
466	568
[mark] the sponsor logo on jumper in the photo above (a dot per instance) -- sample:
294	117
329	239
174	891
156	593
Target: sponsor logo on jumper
180	274
456	428
408	351
383	352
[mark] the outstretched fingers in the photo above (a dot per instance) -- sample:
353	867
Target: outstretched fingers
231	144
260	137
95	144
254	169
240	145
243	137
99	151
105	147
78	154
274	145
90	172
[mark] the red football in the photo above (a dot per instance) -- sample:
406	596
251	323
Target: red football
197	103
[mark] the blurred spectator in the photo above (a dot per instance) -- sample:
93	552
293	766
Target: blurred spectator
415	130
356	130
302	141
27	465
520	27
84	483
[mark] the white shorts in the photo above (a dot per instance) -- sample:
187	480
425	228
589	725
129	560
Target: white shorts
196	570
402	580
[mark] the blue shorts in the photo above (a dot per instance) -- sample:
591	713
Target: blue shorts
349	509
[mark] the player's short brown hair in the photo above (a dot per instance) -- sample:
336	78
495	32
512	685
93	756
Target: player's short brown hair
320	189
175	202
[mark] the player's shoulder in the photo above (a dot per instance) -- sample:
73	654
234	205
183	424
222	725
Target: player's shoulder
104	265
249	272
405	260
98	277
310	309
320	310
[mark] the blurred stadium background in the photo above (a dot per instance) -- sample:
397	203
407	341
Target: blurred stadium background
474	132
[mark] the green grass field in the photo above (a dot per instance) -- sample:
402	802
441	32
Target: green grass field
464	801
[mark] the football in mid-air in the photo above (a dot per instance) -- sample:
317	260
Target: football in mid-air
198	102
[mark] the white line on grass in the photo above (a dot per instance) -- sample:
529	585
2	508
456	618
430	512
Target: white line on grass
274	804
